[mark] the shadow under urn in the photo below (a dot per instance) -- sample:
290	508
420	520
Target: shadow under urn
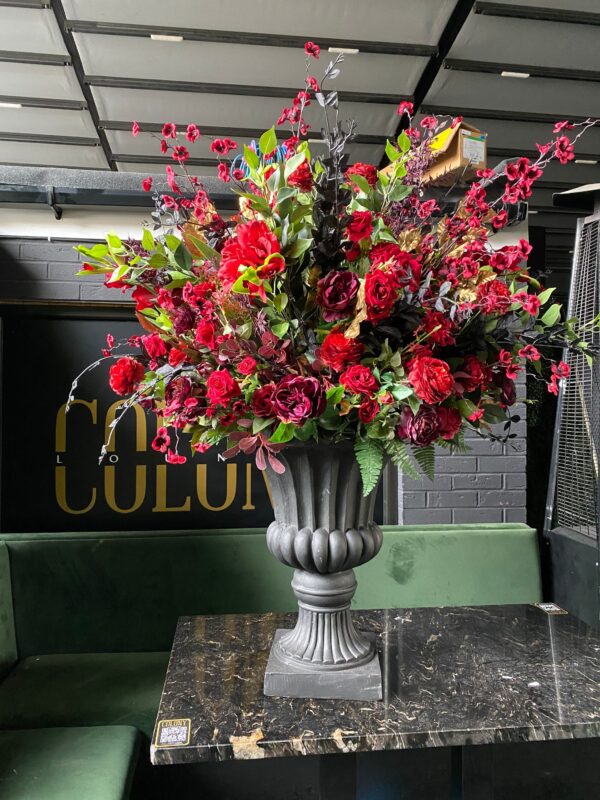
323	528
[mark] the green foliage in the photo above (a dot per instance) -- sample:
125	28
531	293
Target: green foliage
268	142
425	458
369	455
399	454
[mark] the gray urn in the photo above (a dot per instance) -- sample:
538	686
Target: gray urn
323	528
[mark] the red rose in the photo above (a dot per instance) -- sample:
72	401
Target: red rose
439	327
381	293
176	356
366	171
262	401
359	380
247	366
205	335
296	399
143	298
450	422
431	379
301	177
368	410
154	345
360	226
473	374
421	428
406	267
252	245
125	375
337	351
493	297
221	388
336	294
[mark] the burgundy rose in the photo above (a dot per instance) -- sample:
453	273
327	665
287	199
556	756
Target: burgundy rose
125	375
183	320
359	380
177	392
450	422
296	399
421	428
336	294
474	374
368	410
262	401
508	390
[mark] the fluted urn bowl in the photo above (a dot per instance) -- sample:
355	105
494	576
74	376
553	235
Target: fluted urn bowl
323	528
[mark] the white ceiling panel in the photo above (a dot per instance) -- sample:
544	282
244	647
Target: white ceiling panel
534	95
36	80
45	120
521	41
241	64
54	155
30	30
568	173
227	110
414	21
525	135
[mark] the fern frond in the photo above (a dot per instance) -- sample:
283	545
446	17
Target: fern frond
369	455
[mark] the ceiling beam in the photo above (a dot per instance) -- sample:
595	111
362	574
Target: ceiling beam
45	59
248	38
509	152
44	102
77	64
550	73
571	16
500	115
161	85
242	133
453	27
25	3
46	138
128	158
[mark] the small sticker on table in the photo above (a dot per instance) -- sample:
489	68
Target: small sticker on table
173	732
550	608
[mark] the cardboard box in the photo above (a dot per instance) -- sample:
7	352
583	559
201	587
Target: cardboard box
460	152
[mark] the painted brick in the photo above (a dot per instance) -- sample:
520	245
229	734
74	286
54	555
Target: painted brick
38	290
502	463
23	271
484	447
10	249
414	499
510	498
465	499
441	482
476	515
515	515
60	271
517	480
477	480
97	292
452	464
515	446
48	251
427	516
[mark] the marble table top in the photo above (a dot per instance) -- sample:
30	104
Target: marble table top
452	676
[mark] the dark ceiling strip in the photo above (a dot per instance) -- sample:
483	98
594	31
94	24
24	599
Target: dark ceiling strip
46	59
160	85
554	210
46	138
44	102
537	13
453	27
508	152
550	73
508	116
248	38
126	158
220	130
71	47
25	3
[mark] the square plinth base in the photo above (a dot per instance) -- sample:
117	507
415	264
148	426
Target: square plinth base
356	683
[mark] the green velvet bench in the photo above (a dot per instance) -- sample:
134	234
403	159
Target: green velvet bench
87	619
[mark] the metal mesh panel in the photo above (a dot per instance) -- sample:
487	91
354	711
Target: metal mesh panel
578	433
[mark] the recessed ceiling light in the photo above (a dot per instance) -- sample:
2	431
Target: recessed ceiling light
347	51
506	73
586	161
11	105
164	37
315	141
533	212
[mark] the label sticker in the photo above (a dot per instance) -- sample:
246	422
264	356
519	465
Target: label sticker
173	732
473	149
550	608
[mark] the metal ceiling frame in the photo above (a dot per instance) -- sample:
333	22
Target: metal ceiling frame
44	59
44	102
492	114
510	152
248	38
537	13
47	138
495	68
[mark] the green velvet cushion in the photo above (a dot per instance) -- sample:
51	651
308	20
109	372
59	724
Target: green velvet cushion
67	763
112	592
8	644
88	689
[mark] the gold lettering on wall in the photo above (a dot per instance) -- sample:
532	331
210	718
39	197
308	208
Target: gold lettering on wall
161	493
140	427
60	489
202	487
248	505
110	489
60	428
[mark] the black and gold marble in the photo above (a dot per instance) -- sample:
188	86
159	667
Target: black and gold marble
452	676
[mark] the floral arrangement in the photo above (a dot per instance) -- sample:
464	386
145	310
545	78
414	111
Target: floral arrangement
341	303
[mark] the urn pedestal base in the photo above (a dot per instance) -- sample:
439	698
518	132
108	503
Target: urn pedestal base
284	679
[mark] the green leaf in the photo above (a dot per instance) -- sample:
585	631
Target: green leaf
299	247
207	251
267	142
361	182
306	431
403	142
400	456
391	152
399	192
551	316
280	329
172	242
250	157
335	394
260	423
466	408
292	164
425	458
157	260
401	392
183	258
280	301
114	242
283	433
546	295
369	455
147	240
